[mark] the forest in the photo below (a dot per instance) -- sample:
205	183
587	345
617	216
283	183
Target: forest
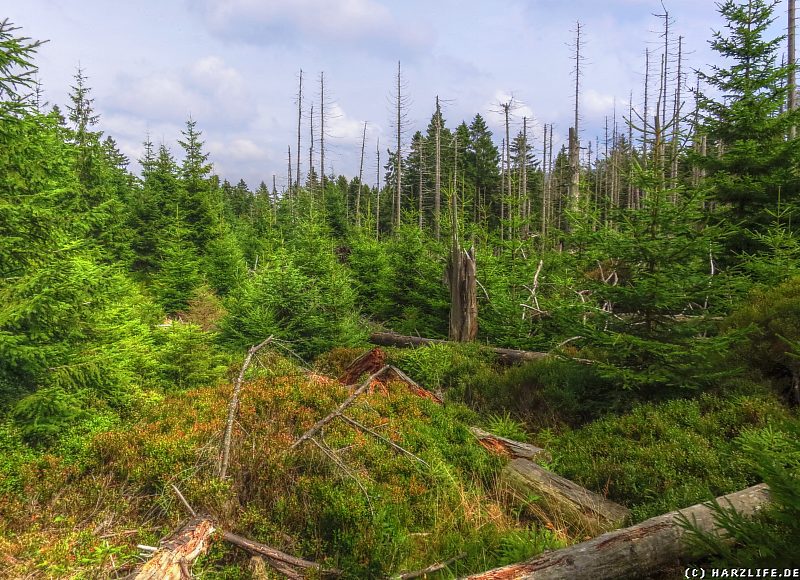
494	357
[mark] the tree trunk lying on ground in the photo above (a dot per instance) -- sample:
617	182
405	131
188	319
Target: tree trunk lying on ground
507	355
633	552
503	446
174	558
565	500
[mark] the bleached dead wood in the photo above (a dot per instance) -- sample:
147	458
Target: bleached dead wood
633	552
576	503
174	557
233	406
515	449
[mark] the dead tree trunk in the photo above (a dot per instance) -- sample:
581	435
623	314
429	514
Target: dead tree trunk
174	558
633	552
792	81
575	504
507	355
463	295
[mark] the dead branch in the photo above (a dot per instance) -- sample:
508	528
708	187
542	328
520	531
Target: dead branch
380	437
172	560
233	407
429	570
330	417
505	355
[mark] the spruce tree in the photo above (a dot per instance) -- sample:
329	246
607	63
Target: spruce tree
750	161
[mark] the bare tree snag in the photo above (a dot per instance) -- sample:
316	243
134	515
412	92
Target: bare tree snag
360	177
461	278
506	355
177	553
233	406
792	81
633	552
299	119
515	449
577	504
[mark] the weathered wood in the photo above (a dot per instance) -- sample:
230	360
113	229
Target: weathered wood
233	406
414	386
509	447
176	554
429	570
575	504
507	355
369	362
633	552
461	280
268	552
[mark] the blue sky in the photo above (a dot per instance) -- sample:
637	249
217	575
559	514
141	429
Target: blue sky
233	65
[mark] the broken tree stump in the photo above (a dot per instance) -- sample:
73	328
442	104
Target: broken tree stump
505	355
368	363
633	552
565	499
176	554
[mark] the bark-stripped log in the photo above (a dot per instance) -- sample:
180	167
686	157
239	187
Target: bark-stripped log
176	554
502	445
506	355
633	552
574	504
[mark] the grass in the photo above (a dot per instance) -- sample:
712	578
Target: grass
82	517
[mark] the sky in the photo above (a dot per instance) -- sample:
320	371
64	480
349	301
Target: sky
232	65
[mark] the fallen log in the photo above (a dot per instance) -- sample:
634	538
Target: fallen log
633	552
174	558
565	500
515	449
506	355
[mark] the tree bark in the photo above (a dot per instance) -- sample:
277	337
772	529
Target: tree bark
463	295
515	449
506	355
574	504
633	552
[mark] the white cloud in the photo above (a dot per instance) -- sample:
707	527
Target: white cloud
596	104
346	22
208	90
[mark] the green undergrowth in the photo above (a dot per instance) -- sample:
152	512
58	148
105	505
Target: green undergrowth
661	457
79	510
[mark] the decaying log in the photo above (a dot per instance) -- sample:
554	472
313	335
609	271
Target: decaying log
368	363
633	552
574	504
176	554
506	355
509	447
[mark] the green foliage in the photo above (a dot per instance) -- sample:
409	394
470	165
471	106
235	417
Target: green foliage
658	458
505	425
187	358
770	538
771	318
46	413
303	296
753	169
